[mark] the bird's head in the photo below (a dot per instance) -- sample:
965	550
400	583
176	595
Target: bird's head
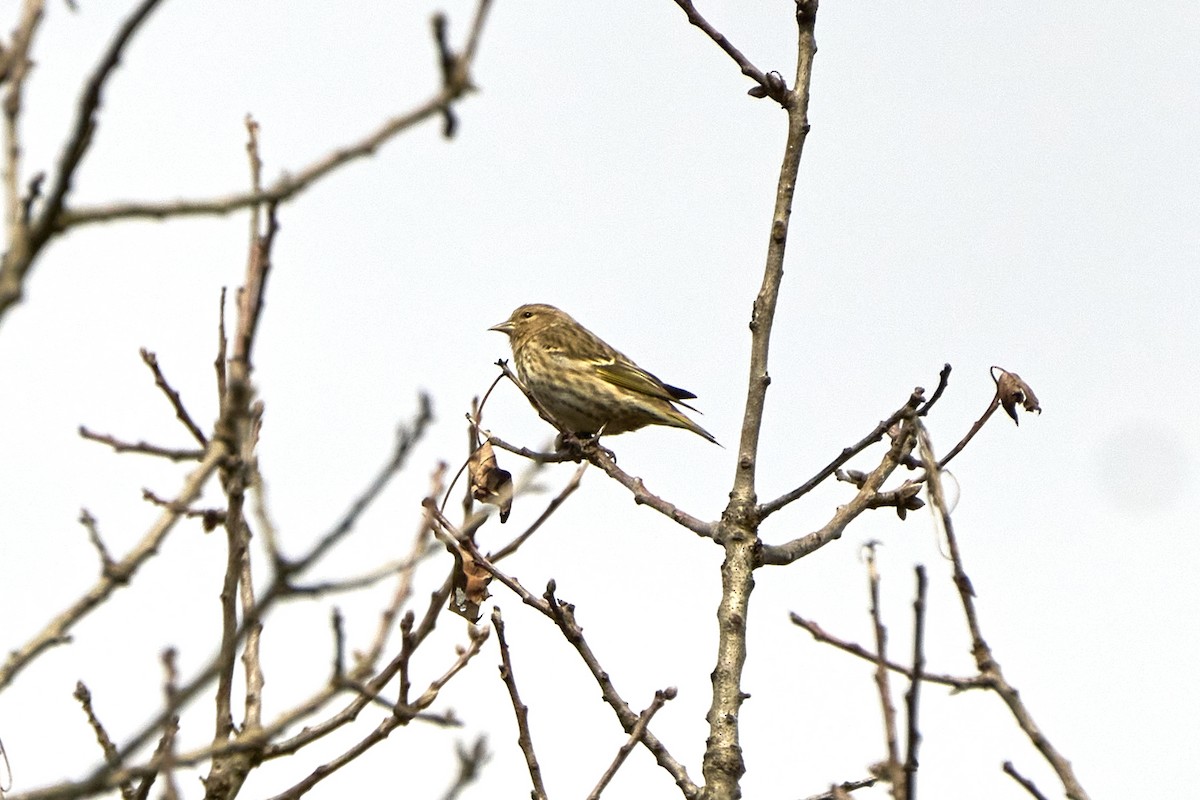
528	319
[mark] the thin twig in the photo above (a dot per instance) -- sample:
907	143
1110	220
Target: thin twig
102	779
111	756
844	789
16	64
407	437
222	345
563	615
520	710
365	580
56	632
238	425
891	767
993	405
25	247
251	661
660	699
989	668
558	500
799	547
914	400
470	763
821	635
6	775
151	361
540	457
943	382
387	619
166	761
770	85
643	496
447	60
144	448
89	523
211	518
602	459
162	752
294	182
1027	784
399	718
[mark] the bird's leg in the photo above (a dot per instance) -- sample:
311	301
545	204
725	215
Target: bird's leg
569	444
580	444
592	443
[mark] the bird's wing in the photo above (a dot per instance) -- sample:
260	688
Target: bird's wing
608	363
630	376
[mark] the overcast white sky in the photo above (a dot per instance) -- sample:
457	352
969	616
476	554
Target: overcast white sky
1012	184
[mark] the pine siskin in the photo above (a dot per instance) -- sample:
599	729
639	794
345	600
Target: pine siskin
587	386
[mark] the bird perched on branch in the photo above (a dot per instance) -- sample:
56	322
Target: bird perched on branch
583	383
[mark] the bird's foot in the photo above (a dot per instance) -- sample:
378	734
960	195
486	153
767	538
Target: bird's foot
582	445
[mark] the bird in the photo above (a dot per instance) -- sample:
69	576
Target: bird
587	386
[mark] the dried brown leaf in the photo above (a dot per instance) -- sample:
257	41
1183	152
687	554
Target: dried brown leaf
1012	389
469	586
489	483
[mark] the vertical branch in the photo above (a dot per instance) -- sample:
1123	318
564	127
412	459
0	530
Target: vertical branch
251	662
738	529
763	314
238	426
235	550
248	464
913	697
14	66
891	767
166	746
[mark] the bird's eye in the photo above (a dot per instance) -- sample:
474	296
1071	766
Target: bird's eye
527	314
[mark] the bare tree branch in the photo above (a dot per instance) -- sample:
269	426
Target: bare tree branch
470	762
143	448
821	635
111	756
843	789
15	65
769	85
1025	783
788	552
890	769
102	779
913	696
520	710
557	501
769	508
32	237
989	668
563	615
181	413
643	496
293	183
660	699
57	631
737	530
477	637
575	450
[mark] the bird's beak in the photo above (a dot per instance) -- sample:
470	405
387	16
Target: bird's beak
505	327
